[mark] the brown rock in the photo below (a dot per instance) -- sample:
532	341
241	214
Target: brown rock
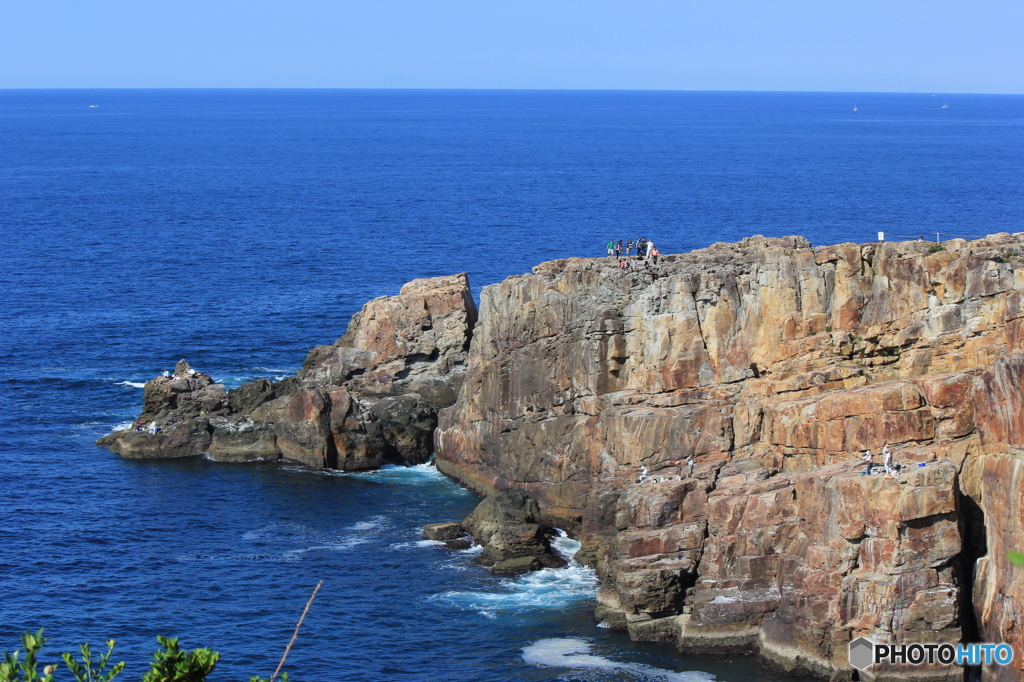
506	524
371	397
443	532
773	365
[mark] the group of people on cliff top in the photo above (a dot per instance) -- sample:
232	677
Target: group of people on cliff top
645	251
890	470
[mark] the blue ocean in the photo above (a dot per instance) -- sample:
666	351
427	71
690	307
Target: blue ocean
239	228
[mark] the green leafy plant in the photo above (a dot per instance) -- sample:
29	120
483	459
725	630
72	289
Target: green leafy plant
1015	557
174	664
17	669
91	669
283	678
935	248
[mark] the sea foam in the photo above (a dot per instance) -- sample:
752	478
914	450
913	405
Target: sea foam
568	652
548	588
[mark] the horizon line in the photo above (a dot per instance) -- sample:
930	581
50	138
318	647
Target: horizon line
429	89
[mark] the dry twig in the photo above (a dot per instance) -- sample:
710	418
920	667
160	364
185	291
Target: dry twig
296	634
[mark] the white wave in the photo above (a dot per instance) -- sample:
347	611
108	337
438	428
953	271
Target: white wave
122	426
548	588
418	543
291	541
565	546
568	652
417	474
132	384
334	547
414	474
296	533
375	523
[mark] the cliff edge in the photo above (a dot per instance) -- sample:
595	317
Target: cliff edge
773	365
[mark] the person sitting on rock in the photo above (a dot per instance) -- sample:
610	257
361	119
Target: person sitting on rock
153	428
867	458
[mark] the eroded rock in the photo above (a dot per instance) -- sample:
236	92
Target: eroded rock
773	365
371	397
507	524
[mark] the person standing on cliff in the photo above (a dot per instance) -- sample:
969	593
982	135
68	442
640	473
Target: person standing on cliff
887	460
611	248
629	247
867	458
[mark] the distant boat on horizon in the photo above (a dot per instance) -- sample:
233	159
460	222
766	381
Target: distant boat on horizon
945	106
93	106
855	107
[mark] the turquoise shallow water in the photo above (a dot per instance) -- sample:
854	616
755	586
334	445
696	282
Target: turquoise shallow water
240	228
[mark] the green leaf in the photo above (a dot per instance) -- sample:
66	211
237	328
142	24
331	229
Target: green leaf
1015	557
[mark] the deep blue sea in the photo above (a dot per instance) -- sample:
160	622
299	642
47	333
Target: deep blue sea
238	229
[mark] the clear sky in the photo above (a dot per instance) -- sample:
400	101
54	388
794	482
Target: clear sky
846	45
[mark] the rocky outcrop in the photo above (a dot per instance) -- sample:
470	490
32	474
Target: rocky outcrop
370	397
507	525
772	364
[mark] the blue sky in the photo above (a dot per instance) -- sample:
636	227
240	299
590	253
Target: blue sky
867	45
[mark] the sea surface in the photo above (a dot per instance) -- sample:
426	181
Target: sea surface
238	229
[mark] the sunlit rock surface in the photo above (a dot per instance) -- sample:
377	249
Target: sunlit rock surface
370	397
774	365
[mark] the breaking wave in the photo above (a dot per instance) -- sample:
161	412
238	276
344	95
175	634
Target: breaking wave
548	588
575	654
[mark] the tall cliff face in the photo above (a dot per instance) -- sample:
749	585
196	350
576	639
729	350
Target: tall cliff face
773	365
372	396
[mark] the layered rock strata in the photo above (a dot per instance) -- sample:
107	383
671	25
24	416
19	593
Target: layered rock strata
370	397
773	365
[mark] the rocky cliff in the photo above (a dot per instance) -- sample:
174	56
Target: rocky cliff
370	397
773	365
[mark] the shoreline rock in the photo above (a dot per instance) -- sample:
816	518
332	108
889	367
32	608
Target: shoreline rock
774	365
369	398
507	525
